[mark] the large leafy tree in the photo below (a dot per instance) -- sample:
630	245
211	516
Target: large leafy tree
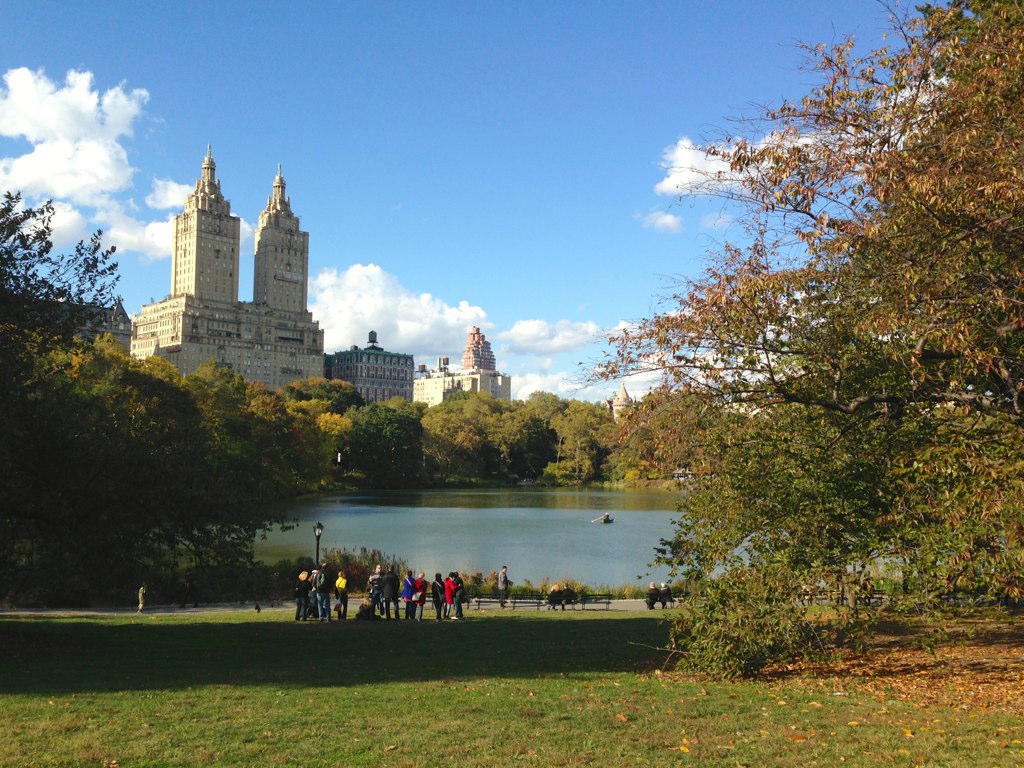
45	298
456	436
583	431
524	442
114	469
386	447
872	305
339	394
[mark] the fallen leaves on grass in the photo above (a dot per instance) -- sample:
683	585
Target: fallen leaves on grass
981	666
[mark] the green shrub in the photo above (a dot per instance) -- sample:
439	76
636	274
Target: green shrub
736	624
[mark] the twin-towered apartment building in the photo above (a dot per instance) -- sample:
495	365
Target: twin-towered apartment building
274	339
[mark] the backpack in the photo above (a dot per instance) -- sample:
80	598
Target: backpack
321	579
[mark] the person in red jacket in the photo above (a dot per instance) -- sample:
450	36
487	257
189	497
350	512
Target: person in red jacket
449	597
419	594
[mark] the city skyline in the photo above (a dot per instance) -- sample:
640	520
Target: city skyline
499	166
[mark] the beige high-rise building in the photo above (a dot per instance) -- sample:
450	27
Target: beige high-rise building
272	339
478	374
434	387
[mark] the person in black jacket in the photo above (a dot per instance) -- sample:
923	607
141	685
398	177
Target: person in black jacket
665	594
653	596
389	591
460	593
555	597
437	595
324	586
302	587
367	611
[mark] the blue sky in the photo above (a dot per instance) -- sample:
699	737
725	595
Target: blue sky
456	164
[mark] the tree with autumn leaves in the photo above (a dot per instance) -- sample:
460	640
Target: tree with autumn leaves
858	351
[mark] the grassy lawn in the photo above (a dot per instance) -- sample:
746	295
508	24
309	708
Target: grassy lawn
576	688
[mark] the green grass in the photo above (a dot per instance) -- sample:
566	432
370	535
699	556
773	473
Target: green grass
572	689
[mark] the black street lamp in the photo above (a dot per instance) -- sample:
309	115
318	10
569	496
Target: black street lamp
318	530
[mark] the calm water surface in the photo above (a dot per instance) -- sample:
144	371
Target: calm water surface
537	533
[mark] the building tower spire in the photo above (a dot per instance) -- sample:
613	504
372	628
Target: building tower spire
282	254
209	167
278	201
207	186
204	262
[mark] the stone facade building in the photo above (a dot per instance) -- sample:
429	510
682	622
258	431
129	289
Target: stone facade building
377	374
273	339
113	320
478	374
434	386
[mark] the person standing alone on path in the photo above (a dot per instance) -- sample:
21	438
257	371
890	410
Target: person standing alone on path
503	585
142	598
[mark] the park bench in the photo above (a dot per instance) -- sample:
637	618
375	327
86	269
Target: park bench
599	599
540	600
536	600
666	601
482	599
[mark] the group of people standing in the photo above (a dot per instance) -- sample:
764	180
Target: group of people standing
385	592
313	593
447	595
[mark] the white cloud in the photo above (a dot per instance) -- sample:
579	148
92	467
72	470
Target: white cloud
563	384
68	226
661	221
168	194
31	105
363	298
151	240
83	172
246	234
74	131
539	337
559	383
687	167
350	303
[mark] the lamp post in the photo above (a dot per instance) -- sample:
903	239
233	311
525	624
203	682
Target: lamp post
318	530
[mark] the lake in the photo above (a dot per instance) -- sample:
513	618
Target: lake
537	533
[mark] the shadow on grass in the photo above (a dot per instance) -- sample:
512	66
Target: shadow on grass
46	656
